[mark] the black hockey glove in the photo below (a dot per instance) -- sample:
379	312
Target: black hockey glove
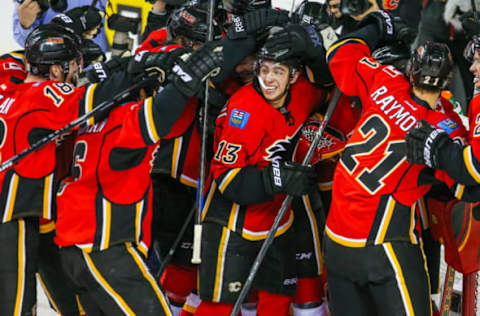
289	178
295	41
470	25
85	21
191	70
102	70
154	64
390	29
424	144
255	22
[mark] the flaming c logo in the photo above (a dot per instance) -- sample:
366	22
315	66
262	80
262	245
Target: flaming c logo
390	4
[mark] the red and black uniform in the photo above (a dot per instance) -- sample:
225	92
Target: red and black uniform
237	212
371	224
28	112
105	209
12	67
462	163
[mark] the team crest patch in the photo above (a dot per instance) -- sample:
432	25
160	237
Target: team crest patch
238	118
448	125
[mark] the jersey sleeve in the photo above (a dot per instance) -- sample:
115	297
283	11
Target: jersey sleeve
158	114
234	168
351	66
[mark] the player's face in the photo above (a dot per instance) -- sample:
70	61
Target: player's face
475	70
274	81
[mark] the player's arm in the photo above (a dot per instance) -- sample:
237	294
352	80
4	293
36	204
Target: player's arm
349	59
433	147
159	113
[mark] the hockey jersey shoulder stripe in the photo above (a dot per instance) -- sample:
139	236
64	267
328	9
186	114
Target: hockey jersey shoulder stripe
88	102
470	163
334	47
149	122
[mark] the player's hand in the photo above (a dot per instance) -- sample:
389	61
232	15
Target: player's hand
191	70
390	29
154	64
288	178
85	21
295	41
28	12
470	24
424	143
255	22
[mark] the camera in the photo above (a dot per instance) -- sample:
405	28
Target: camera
56	5
354	7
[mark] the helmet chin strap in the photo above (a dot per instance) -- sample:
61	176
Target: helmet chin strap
262	84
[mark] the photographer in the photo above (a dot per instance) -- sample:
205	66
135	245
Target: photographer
29	14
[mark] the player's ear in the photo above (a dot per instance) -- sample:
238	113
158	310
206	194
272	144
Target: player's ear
56	73
294	78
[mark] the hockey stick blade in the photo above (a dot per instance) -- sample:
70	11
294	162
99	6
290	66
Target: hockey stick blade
271	234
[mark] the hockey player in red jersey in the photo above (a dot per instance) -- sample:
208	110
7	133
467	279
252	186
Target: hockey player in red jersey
429	145
59	293
44	102
104	224
249	177
373	254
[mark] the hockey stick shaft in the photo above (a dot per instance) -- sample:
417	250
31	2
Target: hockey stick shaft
271	234
197	229
73	124
175	244
469	294
447	291
474	9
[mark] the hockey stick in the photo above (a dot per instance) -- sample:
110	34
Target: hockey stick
75	123
447	291
286	203
197	228
175	244
474	9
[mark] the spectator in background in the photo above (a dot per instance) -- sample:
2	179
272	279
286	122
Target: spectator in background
29	14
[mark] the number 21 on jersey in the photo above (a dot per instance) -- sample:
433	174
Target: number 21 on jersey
376	132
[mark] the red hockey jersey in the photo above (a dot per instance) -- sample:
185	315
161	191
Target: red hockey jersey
250	134
108	199
29	111
375	188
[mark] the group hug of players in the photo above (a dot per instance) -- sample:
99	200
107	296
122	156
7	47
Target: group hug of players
90	212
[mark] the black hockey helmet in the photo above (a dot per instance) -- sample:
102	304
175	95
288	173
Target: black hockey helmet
190	21
51	44
240	7
430	66
396	54
472	47
263	54
314	13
